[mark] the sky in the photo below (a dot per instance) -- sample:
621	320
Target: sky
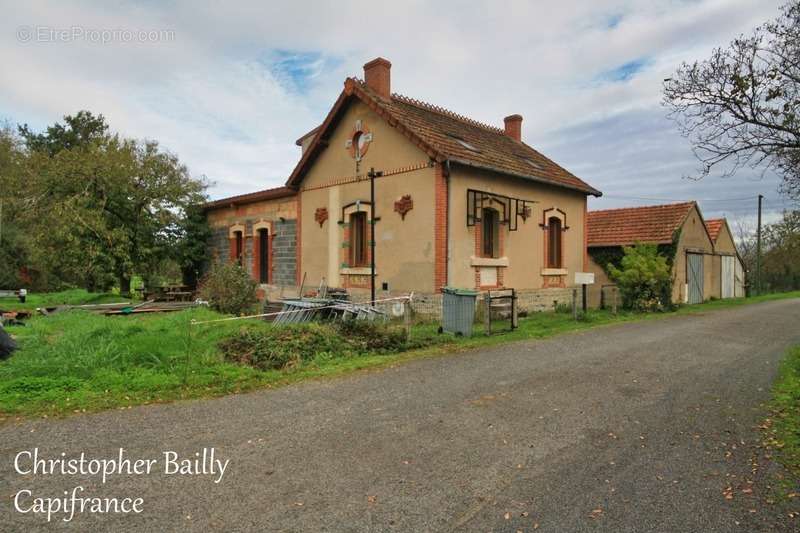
230	86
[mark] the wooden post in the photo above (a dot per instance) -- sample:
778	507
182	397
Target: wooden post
585	303
575	304
407	317
614	301
514	316
487	313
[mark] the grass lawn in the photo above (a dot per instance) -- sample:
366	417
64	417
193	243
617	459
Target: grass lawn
783	427
76	361
69	297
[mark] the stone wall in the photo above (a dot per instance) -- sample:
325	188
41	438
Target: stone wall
284	253
284	250
528	300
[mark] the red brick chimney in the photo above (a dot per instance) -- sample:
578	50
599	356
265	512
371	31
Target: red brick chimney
514	126
377	77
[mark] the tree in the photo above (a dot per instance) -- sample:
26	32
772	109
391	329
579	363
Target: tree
781	263
643	278
79	131
109	205
741	107
191	244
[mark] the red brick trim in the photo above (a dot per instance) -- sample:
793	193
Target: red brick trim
440	228
232	249
257	250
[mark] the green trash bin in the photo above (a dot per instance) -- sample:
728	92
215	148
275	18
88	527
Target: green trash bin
458	310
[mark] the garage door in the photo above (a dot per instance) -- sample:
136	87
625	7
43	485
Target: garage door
728	276
694	277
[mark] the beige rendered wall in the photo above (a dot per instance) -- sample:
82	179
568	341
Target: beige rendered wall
404	247
725	244
524	248
693	238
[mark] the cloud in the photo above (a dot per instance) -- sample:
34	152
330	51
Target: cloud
236	85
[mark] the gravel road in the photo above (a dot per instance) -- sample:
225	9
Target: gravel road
636	427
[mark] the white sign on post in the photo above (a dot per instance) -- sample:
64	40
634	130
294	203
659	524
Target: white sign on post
584	278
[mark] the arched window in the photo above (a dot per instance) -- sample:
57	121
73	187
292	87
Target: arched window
358	239
263	255
490	233
554	249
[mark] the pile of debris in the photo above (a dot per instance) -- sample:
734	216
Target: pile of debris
329	304
123	308
330	309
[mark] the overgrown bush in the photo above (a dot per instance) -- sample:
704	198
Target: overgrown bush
644	278
283	347
372	337
229	289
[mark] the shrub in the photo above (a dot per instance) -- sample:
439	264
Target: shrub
643	278
281	347
229	289
367	336
289	346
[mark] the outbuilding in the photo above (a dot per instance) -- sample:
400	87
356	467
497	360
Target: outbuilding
681	235
727	262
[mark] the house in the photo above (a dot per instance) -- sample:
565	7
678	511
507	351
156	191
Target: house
455	202
726	260
681	235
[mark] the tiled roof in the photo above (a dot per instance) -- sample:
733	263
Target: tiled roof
653	224
447	135
249	198
713	226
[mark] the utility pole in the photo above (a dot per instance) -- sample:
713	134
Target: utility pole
372	175
758	248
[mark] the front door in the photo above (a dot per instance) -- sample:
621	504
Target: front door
694	277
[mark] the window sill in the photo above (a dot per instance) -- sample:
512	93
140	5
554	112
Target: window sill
356	271
554	272
489	261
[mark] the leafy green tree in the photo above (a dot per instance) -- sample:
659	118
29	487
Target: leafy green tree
191	244
109	205
77	131
741	106
644	278
781	262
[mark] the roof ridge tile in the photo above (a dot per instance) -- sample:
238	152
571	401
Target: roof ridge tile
446	112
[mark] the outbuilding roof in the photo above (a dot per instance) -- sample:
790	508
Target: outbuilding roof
249	198
445	135
652	224
713	226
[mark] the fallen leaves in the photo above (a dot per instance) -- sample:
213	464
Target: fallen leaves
596	513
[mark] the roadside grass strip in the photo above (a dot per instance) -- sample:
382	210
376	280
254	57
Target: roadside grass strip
75	361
